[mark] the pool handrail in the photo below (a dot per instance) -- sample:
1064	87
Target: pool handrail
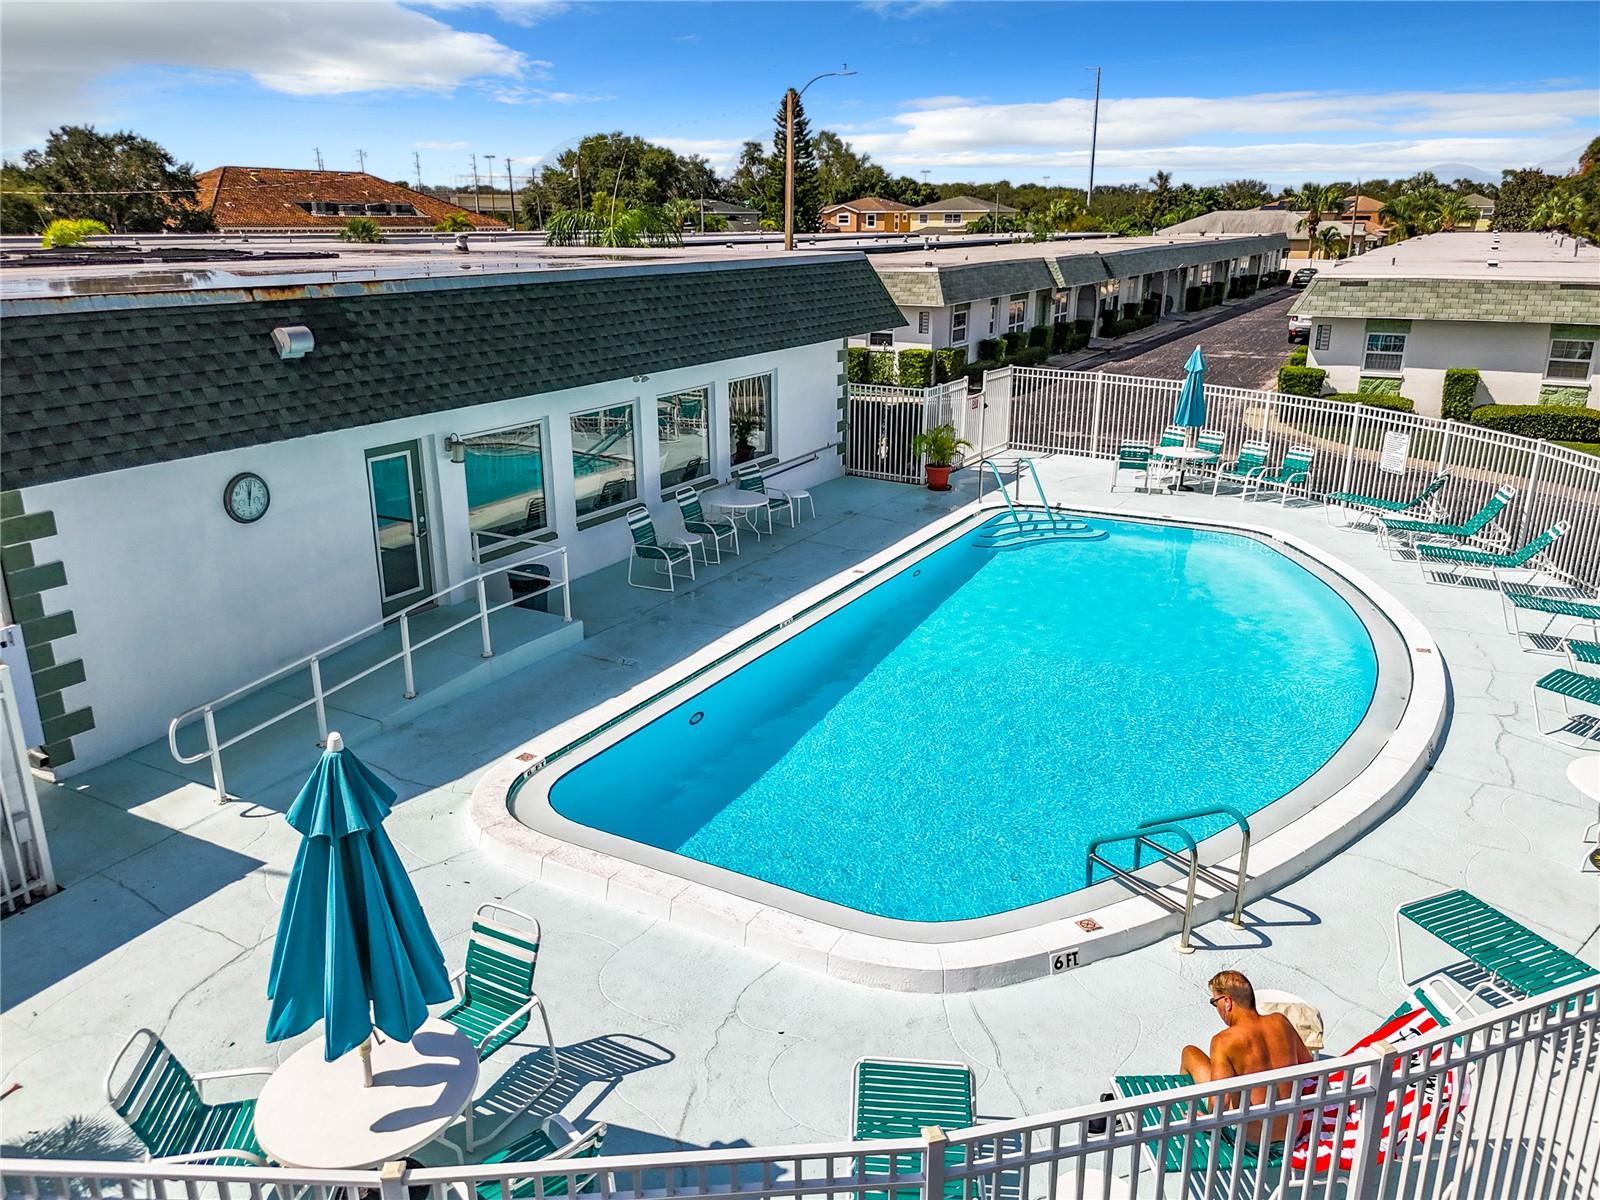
1143	836
1239	819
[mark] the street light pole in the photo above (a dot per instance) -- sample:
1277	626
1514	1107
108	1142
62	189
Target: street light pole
790	99
1094	140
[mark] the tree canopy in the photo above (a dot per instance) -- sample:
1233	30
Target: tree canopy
128	183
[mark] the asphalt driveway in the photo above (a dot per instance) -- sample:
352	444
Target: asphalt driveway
1244	349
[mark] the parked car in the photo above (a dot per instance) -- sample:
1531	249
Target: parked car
1303	276
1299	329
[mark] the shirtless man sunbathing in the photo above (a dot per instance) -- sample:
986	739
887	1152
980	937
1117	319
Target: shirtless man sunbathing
1251	1042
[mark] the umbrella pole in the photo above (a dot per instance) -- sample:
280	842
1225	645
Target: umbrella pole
365	1051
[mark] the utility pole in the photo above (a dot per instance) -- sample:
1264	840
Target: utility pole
1350	246
361	159
511	194
317	150
416	160
477	203
1094	140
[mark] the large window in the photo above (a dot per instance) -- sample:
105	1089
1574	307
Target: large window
1017	314
505	482
750	418
603	472
1385	351
958	326
1569	359
685	432
843	218
953	218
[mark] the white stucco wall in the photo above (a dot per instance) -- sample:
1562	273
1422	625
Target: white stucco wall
1510	357
175	603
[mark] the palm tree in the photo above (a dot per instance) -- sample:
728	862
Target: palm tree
615	225
1406	215
361	229
455	222
1319	200
1329	241
1558	209
1453	211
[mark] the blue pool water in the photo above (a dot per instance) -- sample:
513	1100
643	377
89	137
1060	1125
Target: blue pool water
946	745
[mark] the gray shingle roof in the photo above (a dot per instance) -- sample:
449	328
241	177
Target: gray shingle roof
965	204
1517	300
99	387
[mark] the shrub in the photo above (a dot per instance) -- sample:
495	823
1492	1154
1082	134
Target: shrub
1374	400
1553	422
1191	297
1031	356
1297	357
1039	335
68	232
361	229
855	368
976	370
1129	311
1015	342
1151	307
1301	381
948	363
880	367
1059	336
916	367
1460	390
1085	328
455	222
991	348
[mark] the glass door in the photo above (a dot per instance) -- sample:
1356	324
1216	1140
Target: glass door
400	524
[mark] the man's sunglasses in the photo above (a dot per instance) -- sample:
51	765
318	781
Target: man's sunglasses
1213	1001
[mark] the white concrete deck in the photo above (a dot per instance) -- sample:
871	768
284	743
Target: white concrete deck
677	1040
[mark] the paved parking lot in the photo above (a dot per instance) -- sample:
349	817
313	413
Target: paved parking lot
1244	349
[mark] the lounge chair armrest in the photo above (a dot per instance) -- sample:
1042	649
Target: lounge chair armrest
203	1156
559	1130
240	1073
521	1011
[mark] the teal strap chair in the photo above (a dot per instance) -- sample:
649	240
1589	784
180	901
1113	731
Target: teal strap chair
1293	475
1419	506
1510	952
1569	607
1402	531
496	994
747	477
1572	687
162	1104
1172	435
712	531
1133	457
1213	442
1192	1151
1456	559
554	1140
664	557
899	1098
1251	463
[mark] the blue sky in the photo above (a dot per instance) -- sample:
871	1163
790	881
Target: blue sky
962	90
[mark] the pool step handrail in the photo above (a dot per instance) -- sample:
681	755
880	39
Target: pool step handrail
1239	819
1044	501
1144	836
1023	525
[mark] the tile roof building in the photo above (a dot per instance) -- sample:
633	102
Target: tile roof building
252	199
870	214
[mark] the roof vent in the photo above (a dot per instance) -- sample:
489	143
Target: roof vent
1493	262
293	341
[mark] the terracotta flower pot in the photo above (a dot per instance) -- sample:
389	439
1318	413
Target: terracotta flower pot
938	478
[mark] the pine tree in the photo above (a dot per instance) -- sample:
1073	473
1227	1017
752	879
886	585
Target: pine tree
807	184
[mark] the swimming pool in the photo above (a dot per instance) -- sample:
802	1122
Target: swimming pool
942	748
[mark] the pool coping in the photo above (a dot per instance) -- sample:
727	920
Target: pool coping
980	962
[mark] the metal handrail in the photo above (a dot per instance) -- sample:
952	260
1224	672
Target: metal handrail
1142	837
1239	819
1044	501
313	661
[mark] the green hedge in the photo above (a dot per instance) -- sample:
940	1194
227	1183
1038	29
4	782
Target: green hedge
1460	390
1374	400
990	348
916	367
1039	335
880	367
976	370
1031	356
1016	341
856	364
1554	422
1297	357
1301	381
949	362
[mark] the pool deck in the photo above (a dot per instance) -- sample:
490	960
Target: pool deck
679	1040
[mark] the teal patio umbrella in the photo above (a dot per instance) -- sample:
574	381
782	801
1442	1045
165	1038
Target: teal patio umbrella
354	950
1191	412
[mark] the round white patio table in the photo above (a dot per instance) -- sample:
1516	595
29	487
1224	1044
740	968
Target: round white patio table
1183	456
316	1114
1584	774
738	503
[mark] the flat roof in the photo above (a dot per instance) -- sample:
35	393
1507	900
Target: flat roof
1544	257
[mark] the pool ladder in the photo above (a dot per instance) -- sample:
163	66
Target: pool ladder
1015	527
1142	837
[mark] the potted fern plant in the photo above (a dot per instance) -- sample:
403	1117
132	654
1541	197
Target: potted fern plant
937	448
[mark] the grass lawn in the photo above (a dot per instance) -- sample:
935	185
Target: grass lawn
1585	447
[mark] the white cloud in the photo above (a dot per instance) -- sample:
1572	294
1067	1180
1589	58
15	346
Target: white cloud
532	95
441	145
513	12
943	102
903	8
59	58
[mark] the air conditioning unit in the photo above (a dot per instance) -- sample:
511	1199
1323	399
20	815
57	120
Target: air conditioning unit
293	341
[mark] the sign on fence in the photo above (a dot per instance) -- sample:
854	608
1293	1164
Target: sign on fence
1396	450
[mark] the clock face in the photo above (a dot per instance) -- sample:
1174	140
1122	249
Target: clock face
246	498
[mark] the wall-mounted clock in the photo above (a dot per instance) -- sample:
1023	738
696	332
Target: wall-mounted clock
246	497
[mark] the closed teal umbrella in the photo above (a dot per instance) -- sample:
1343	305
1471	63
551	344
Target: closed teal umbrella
354	950
1191	412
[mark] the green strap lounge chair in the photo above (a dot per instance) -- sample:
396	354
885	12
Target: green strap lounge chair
1193	1148
747	477
1456	559
1574	688
712	531
1172	435
496	994
1213	442
1511	953
664	557
1584	656
1419	507
1574	610
1251	463
554	1140
1402	531
899	1098
1293	475
1133	456
162	1104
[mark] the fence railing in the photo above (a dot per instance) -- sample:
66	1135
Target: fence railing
882	422
26	873
1499	1106
531	571
1373	451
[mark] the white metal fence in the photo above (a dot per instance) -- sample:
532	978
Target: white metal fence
882	422
25	870
1500	1107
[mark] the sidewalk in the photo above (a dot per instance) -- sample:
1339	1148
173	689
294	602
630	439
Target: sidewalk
1174	326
